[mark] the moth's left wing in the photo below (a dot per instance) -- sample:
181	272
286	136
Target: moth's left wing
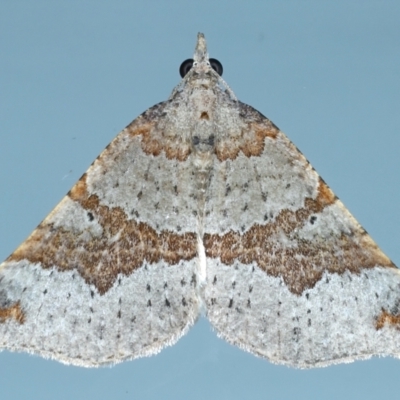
110	274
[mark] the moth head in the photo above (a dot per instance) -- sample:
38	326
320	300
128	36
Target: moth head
200	59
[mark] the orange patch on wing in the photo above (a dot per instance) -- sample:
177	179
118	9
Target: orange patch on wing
250	143
302	265
325	194
124	246
386	318
12	312
156	140
79	190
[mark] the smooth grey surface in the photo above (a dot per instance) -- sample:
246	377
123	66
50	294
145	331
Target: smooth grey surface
73	74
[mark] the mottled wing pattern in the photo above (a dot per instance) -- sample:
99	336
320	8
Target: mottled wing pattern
291	275
110	273
200	201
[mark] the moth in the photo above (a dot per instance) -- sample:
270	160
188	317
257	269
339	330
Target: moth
200	205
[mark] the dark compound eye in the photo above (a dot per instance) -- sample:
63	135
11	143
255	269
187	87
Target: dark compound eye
185	67
216	66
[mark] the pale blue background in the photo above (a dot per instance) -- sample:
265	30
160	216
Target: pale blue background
74	73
